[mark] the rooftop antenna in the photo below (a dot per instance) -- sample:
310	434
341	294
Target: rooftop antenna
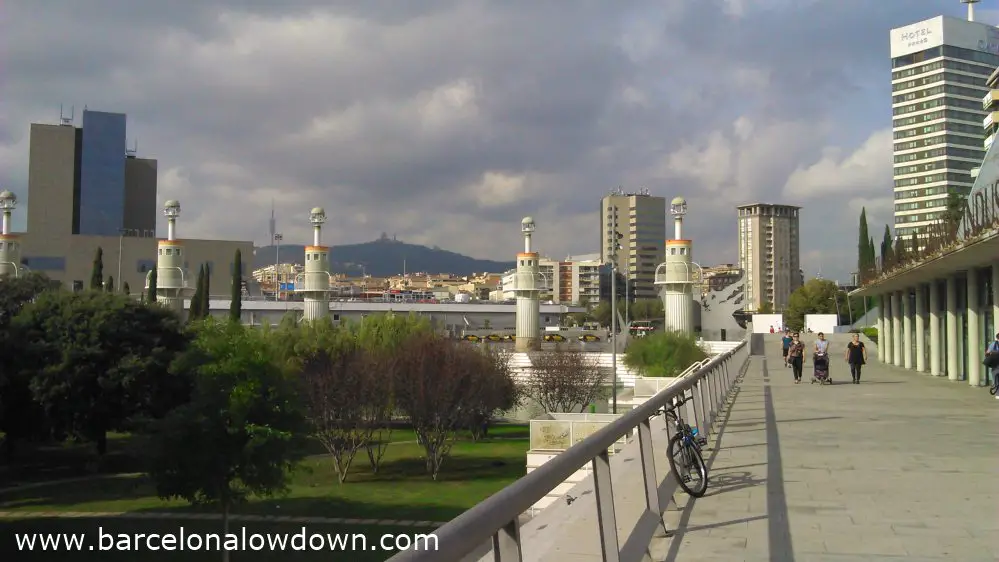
971	8
63	120
272	223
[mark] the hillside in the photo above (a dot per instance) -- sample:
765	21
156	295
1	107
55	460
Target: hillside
385	257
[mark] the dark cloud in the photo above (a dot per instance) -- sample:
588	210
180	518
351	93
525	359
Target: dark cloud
444	122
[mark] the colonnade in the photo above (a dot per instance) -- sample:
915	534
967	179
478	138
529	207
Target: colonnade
940	326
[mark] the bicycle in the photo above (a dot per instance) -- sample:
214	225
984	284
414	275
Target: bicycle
684	453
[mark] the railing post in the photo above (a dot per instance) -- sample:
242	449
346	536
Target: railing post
649	473
710	398
506	543
700	417
606	517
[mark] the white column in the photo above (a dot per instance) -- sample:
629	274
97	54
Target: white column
920	329
906	329
889	337
936	344
974	343
896	328
882	328
952	350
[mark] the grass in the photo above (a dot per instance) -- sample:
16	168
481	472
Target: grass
351	550
400	490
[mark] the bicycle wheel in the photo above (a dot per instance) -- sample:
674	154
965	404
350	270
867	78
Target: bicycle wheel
688	467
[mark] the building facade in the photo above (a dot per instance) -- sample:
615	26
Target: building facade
939	72
86	191
769	254
640	218
575	280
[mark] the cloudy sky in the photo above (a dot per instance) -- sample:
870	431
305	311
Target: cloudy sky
445	121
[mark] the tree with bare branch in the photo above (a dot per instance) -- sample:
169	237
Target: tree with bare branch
492	390
564	380
336	388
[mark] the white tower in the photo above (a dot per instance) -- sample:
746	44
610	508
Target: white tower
316	284
171	278
971	8
528	292
10	244
675	275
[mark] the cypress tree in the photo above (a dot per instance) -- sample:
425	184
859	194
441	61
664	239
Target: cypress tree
205	292
151	287
236	300
125	289
109	286
863	266
194	312
97	272
887	251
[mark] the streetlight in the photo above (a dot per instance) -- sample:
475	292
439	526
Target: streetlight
615	246
278	237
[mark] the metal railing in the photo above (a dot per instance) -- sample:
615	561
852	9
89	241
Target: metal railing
498	517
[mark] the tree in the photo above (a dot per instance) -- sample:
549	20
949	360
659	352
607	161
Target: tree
194	312
109	285
957	203
20	415
125	288
99	359
236	300
817	296
242	431
864	261
492	390
564	380
887	253
151	286
433	385
663	354
766	308
97	270
206	306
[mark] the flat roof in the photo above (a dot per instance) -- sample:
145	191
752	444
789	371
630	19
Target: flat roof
452	308
771	205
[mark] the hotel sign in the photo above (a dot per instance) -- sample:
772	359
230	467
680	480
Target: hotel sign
916	38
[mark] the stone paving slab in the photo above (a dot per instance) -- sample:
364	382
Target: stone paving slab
903	466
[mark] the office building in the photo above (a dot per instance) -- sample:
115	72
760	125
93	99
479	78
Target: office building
574	280
87	191
939	72
640	219
769	254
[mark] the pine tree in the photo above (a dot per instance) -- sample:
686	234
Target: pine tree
109	286
194	312
151	287
97	272
236	299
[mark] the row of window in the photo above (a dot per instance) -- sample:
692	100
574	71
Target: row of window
937	90
939	139
938	102
937	65
935	165
975	154
936	128
928	204
946	51
951	77
919	217
973	117
933	178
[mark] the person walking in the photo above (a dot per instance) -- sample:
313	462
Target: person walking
786	345
992	360
821	349
856	357
796	356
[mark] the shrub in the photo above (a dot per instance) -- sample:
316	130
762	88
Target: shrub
663	354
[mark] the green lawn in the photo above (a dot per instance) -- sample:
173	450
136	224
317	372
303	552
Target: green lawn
401	489
353	552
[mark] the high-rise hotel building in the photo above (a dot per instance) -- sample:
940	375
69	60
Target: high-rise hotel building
939	72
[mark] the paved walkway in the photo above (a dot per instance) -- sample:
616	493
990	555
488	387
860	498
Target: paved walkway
182	516
902	466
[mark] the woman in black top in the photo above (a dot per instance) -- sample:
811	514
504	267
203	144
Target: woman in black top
796	357
856	356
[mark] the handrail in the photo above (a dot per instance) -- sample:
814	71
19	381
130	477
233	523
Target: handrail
498	516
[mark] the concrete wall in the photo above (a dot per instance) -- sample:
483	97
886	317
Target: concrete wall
820	323
763	322
716	309
52	177
137	256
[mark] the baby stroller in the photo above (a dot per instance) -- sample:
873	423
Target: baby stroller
821	373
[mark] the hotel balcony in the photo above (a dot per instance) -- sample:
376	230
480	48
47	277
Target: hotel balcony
990	98
992	117
988	141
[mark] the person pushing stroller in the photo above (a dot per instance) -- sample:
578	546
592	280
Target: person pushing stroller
821	361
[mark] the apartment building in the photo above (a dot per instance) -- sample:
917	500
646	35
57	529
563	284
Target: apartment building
640	219
769	253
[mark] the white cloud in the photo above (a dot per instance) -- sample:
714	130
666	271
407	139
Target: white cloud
866	169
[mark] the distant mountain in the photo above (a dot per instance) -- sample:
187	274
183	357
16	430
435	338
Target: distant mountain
384	257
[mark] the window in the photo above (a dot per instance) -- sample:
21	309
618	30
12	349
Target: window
143	266
45	263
